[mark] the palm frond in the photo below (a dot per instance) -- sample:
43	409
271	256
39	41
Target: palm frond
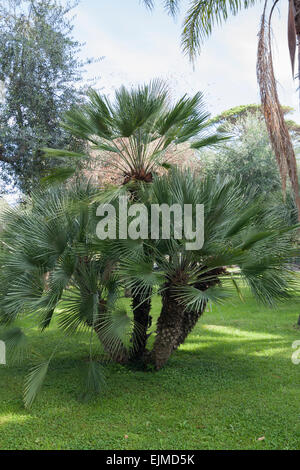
194	299
16	342
34	381
172	7
50	152
254	237
148	3
114	331
202	16
209	141
139	275
58	176
94	380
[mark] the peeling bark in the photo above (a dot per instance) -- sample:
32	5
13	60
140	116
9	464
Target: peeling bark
173	326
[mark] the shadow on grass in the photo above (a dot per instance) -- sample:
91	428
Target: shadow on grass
233	354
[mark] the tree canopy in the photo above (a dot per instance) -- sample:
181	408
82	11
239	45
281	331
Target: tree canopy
40	75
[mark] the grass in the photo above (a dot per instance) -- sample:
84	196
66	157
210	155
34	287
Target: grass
230	384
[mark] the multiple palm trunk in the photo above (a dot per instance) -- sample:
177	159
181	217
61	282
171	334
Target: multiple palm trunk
173	326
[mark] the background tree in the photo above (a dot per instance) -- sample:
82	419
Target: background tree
248	157
248	119
232	115
40	75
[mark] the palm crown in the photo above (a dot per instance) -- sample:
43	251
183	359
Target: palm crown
134	130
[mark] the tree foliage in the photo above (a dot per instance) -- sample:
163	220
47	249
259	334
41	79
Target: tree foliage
40	74
200	18
232	115
248	157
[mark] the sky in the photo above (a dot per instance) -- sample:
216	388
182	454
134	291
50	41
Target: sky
138	45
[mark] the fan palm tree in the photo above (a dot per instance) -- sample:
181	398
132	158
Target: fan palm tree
53	265
133	133
200	19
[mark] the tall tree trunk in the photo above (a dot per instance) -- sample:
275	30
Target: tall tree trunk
173	326
294	42
141	305
296	14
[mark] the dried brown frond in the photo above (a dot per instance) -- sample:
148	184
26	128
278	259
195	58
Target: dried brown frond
103	167
274	117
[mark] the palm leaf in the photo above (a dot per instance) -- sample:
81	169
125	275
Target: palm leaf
58	176
60	153
253	238
94	380
209	141
194	299
114	329
16	343
202	16
34	381
172	7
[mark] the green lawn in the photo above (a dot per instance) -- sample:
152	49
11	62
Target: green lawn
232	383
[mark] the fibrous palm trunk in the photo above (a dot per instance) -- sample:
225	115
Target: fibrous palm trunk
141	305
176	321
173	326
